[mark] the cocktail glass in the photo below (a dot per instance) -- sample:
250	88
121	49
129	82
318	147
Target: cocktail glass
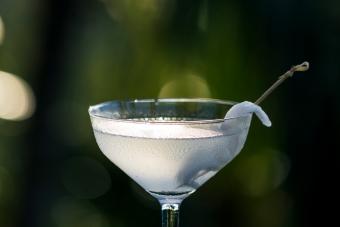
170	147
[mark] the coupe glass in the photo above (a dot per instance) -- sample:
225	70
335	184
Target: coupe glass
170	147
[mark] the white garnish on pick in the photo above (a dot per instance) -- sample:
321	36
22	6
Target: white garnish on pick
248	108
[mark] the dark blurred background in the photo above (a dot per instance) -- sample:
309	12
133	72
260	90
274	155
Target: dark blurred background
59	56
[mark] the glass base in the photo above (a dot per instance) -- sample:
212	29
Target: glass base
171	197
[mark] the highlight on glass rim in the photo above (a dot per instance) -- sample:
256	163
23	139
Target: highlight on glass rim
149	113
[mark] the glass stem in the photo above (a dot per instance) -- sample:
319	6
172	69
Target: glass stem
170	214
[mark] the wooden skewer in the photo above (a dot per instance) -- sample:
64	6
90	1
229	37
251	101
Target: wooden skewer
296	68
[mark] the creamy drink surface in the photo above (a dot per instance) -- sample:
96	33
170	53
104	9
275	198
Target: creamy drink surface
169	159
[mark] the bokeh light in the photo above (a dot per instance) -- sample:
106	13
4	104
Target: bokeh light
262	172
69	212
2	31
145	10
190	85
17	101
84	177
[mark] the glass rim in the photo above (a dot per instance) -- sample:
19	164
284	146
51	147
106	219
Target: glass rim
92	108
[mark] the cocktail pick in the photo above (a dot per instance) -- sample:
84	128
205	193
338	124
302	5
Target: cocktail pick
248	108
296	68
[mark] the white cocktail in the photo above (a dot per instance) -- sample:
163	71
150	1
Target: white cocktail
175	160
170	147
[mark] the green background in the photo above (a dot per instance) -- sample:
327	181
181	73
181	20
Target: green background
82	52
